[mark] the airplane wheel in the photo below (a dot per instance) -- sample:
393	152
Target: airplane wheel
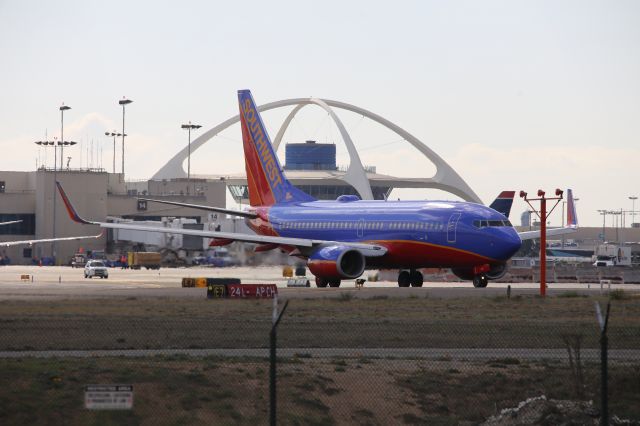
404	279
480	281
415	278
334	283
321	282
484	281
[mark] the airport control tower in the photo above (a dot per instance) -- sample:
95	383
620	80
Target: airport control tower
310	156
312	167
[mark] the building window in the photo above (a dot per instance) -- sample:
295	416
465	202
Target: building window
27	226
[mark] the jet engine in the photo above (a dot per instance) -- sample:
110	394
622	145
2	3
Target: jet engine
495	272
336	262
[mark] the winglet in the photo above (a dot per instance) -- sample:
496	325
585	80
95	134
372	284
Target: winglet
504	201
72	212
572	217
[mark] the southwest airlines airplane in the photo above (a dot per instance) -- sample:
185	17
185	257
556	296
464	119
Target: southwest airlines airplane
340	239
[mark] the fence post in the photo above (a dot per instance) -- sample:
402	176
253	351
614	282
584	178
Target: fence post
272	359
604	372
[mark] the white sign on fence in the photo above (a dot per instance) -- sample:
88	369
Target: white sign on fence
108	397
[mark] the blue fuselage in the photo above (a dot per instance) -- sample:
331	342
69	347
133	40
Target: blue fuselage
416	234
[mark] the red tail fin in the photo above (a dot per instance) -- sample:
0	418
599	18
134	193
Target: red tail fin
267	183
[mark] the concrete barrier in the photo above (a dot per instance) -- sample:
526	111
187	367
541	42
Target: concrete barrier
566	274
631	276
587	274
613	274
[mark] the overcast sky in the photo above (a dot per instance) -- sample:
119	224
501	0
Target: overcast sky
513	94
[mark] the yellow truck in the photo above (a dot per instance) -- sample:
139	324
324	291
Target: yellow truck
146	259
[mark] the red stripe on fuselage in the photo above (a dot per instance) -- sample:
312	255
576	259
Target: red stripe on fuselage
414	254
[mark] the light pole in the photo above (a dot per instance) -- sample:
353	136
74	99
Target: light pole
633	209
63	108
543	214
55	144
46	145
604	221
189	127
114	134
123	102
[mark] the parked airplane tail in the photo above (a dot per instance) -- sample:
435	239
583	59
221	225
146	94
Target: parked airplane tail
572	217
267	183
503	203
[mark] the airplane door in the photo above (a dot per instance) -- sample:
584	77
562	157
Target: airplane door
360	228
451	227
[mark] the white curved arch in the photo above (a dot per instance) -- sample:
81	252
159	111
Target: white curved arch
446	178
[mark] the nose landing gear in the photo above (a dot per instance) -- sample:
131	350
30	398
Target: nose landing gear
480	281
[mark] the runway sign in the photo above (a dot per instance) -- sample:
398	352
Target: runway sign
108	397
251	291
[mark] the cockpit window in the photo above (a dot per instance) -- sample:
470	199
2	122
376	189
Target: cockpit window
491	223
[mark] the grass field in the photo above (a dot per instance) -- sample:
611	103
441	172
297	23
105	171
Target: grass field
322	390
133	323
186	390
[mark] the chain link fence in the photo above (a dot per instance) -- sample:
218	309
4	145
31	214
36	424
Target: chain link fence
339	361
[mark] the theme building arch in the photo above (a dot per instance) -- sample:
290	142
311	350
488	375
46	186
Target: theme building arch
445	178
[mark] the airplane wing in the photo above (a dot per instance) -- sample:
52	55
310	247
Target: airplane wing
46	240
206	208
303	244
530	235
572	222
10	222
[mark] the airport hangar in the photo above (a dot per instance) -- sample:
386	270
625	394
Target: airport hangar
98	194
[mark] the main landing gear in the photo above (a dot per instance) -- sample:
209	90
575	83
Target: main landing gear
323	282
410	278
480	281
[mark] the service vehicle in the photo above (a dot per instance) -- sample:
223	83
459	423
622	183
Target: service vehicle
146	259
612	255
78	260
96	268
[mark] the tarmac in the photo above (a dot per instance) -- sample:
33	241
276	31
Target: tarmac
19	282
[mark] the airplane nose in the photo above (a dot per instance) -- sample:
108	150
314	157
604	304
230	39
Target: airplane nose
510	243
513	243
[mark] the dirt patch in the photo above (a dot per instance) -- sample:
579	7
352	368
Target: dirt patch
178	390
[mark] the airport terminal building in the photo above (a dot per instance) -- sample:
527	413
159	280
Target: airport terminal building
97	195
